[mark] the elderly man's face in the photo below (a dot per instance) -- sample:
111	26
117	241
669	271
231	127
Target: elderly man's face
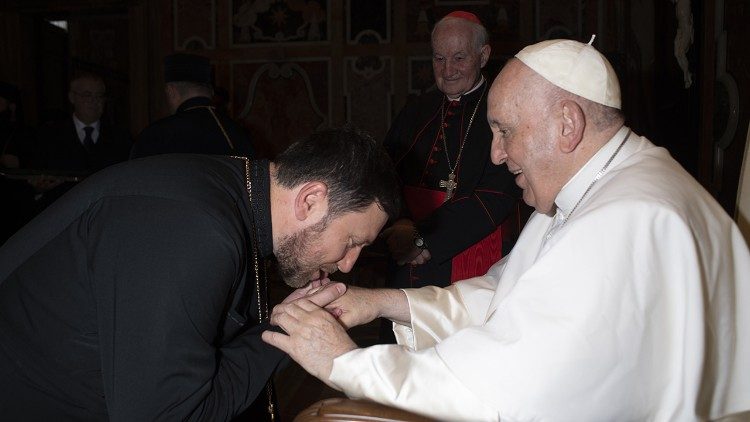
328	246
456	62
522	138
87	97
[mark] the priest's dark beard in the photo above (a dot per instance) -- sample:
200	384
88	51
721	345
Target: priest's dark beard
295	266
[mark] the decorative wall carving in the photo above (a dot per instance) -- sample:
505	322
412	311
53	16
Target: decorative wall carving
194	24
368	89
368	21
559	19
421	77
726	101
277	21
278	102
500	17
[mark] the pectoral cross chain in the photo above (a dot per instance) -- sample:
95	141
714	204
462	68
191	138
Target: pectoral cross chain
449	185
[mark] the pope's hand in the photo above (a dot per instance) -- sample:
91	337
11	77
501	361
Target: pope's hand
314	338
357	306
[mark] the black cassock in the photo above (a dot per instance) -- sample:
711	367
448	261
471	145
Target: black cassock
134	298
486	194
193	129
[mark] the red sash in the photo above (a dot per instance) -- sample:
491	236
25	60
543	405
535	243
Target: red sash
472	262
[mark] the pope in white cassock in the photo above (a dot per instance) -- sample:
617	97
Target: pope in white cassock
626	297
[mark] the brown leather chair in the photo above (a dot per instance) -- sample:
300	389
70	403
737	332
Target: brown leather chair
342	409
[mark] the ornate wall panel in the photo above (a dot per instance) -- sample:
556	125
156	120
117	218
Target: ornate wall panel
557	19
368	89
279	102
194	24
421	78
368	21
258	22
500	17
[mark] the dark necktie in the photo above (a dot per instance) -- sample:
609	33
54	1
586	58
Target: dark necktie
88	141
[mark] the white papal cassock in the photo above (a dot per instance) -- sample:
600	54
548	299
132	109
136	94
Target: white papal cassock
636	308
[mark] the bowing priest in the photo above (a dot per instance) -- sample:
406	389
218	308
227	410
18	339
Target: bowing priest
626	297
455	199
141	294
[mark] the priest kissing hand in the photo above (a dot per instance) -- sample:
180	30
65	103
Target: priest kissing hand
313	336
314	319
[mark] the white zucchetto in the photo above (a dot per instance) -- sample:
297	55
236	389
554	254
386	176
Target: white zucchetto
575	67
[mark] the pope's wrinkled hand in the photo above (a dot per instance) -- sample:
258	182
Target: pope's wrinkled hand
357	306
313	337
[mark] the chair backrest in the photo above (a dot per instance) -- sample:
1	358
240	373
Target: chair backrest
353	410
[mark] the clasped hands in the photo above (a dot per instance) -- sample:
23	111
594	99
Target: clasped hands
314	319
400	240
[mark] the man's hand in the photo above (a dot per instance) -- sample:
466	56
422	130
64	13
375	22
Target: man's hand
314	338
400	240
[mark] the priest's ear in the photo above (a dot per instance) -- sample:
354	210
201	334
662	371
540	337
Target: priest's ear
573	124
311	202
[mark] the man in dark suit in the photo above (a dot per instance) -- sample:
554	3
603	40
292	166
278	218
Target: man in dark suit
82	144
196	125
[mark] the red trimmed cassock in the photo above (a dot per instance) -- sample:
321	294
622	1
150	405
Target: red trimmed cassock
464	234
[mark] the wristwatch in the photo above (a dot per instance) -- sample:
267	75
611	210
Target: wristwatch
419	241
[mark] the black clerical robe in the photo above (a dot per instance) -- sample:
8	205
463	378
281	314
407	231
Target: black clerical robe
193	129
134	298
486	194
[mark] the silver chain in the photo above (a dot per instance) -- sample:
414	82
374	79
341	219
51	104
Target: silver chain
596	179
443	114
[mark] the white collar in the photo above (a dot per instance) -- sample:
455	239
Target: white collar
80	125
478	84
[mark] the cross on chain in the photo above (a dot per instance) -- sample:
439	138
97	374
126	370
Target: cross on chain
449	185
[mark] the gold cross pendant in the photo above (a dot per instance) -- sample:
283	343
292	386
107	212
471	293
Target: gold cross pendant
450	185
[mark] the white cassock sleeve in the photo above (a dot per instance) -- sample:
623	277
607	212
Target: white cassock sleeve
405	372
436	313
609	323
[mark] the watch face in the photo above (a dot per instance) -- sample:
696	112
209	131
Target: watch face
419	242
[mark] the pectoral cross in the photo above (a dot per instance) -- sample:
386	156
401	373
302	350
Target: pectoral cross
449	185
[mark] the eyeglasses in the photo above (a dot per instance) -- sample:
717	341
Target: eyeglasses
91	96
